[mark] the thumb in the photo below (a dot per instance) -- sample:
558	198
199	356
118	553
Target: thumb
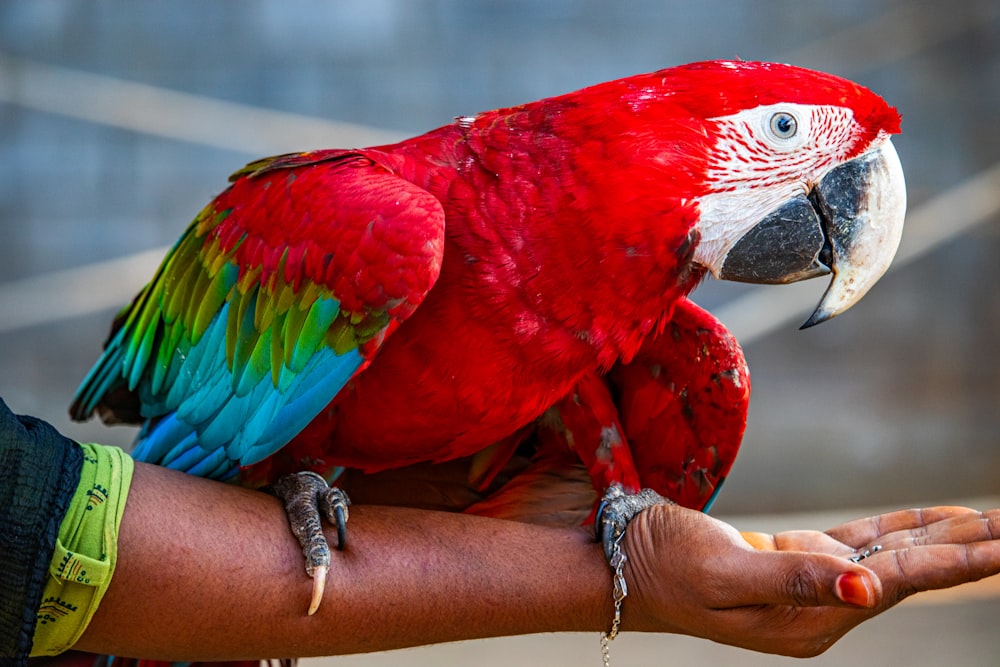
802	579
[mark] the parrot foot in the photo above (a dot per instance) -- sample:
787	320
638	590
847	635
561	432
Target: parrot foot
306	495
616	510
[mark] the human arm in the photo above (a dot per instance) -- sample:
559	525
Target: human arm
207	570
411	577
210	571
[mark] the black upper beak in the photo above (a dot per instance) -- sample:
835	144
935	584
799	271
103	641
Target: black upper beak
849	224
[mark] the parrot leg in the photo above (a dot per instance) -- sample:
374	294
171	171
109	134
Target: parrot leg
617	508
306	496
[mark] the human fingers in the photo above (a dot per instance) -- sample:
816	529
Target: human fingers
961	528
870	529
908	570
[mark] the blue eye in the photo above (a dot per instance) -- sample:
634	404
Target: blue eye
784	125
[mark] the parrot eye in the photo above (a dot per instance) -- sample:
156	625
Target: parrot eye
783	125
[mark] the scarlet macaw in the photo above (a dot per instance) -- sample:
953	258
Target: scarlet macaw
372	308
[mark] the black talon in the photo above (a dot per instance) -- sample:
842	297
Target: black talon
341	528
335	504
608	526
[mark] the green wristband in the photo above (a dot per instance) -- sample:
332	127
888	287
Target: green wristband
86	550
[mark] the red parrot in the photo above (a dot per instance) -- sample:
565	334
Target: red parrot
671	420
373	308
680	405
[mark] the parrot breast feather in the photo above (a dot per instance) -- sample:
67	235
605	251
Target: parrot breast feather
277	294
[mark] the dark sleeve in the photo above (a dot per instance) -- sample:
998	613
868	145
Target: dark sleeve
39	472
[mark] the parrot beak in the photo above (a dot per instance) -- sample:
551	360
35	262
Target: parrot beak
849	225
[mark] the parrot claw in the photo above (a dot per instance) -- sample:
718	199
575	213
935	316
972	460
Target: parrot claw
616	510
319	587
306	496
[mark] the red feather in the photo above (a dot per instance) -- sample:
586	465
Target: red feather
683	403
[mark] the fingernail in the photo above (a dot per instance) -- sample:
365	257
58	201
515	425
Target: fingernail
855	588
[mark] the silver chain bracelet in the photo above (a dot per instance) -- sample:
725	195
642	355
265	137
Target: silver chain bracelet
617	562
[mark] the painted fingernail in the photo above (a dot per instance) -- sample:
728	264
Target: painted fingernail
855	588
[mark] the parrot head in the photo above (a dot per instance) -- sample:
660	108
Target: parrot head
803	181
792	171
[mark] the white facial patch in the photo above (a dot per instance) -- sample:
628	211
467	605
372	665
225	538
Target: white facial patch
763	157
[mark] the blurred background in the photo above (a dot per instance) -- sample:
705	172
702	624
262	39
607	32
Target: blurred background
120	120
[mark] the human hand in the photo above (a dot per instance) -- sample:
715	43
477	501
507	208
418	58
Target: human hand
796	592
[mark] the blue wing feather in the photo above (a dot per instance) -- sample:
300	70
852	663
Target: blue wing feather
230	352
245	426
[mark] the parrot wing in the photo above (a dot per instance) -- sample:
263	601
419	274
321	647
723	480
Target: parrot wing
672	419
280	291
683	403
